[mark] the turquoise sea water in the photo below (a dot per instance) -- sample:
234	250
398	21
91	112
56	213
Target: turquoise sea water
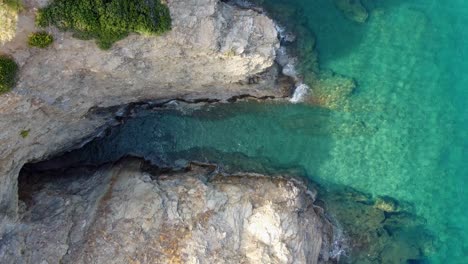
402	134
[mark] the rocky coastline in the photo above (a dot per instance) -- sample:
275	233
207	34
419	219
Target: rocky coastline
133	212
214	51
65	93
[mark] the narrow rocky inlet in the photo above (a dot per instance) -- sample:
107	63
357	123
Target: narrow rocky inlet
129	212
232	131
212	51
360	227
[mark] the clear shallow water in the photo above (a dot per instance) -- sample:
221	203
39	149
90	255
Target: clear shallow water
402	134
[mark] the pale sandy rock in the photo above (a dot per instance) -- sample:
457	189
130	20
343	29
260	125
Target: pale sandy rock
123	214
213	51
8	21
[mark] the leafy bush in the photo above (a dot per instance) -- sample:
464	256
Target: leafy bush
40	39
8	70
106	20
24	133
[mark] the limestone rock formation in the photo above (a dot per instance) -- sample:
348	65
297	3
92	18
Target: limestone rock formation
125	214
213	50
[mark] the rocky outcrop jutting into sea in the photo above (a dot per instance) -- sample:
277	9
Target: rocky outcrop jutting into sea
214	50
129	213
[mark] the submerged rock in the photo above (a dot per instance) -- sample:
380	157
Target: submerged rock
353	10
386	204
377	230
125	214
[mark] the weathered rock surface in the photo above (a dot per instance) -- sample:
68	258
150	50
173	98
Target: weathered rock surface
212	45
213	50
125	214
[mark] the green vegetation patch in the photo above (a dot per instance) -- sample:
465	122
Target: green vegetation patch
40	39
24	133
107	21
16	5
8	70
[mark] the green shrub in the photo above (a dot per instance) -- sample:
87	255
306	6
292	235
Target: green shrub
24	133
8	70
40	39
106	20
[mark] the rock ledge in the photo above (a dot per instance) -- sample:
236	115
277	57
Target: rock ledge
125	214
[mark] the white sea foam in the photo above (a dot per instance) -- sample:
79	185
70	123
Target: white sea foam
288	64
285	36
339	245
280	29
300	92
282	57
290	70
